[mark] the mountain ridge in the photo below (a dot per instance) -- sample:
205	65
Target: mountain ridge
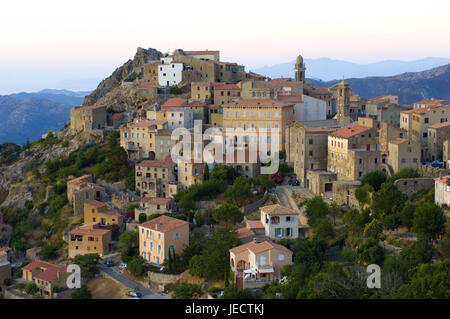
328	69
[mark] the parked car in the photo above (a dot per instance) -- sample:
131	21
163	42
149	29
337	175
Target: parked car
109	262
437	164
123	266
134	293
294	182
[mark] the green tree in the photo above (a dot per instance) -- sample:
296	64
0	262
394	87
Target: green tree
375	179
129	245
407	214
137	266
228	214
324	230
224	173
427	281
373	229
31	288
316	210
387	204
206	173
362	194
407	172
428	220
444	246
355	221
187	291
240	193
214	259
186	203
82	293
370	252
88	264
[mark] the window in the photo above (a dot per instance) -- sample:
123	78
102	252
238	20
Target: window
280	257
262	260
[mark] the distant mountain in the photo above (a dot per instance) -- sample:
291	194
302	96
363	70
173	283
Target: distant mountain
329	69
410	87
29	115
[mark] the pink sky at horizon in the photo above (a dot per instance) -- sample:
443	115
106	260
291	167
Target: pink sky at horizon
92	38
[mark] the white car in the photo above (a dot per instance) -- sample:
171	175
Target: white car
123	266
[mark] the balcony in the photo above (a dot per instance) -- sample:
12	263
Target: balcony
132	147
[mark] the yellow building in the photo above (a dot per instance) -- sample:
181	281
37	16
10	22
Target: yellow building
159	235
46	276
98	212
190	173
403	153
251	89
202	91
224	93
259	114
90	239
215	115
146	139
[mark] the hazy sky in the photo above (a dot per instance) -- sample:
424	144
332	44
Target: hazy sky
70	44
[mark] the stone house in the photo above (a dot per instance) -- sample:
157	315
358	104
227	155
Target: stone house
86	118
154	205
442	190
279	222
437	135
154	177
81	190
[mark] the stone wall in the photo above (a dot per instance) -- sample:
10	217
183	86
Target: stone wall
255	205
344	192
410	186
159	281
428	171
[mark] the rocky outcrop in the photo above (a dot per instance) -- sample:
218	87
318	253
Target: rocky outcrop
142	57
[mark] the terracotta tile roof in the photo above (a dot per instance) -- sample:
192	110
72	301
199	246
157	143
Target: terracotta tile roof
220	86
243	233
439	125
148	83
201	84
117	115
201	52
156	200
430	108
90	231
148	123
289	98
257	248
398	140
167	162
165	132
254	224
256	102
322	90
164	223
175	102
214	106
442	179
277	210
350	131
50	271
79	180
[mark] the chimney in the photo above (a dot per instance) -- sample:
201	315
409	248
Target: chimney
156	226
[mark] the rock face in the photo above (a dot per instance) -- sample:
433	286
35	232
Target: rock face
410	87
142	57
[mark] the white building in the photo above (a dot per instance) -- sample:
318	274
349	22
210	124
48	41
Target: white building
306	108
279	222
442	191
169	73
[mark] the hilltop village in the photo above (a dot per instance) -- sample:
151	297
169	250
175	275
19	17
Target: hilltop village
360	181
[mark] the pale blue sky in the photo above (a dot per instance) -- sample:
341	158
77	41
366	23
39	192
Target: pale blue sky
55	44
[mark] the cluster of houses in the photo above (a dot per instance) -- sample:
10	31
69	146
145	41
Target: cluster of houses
331	136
